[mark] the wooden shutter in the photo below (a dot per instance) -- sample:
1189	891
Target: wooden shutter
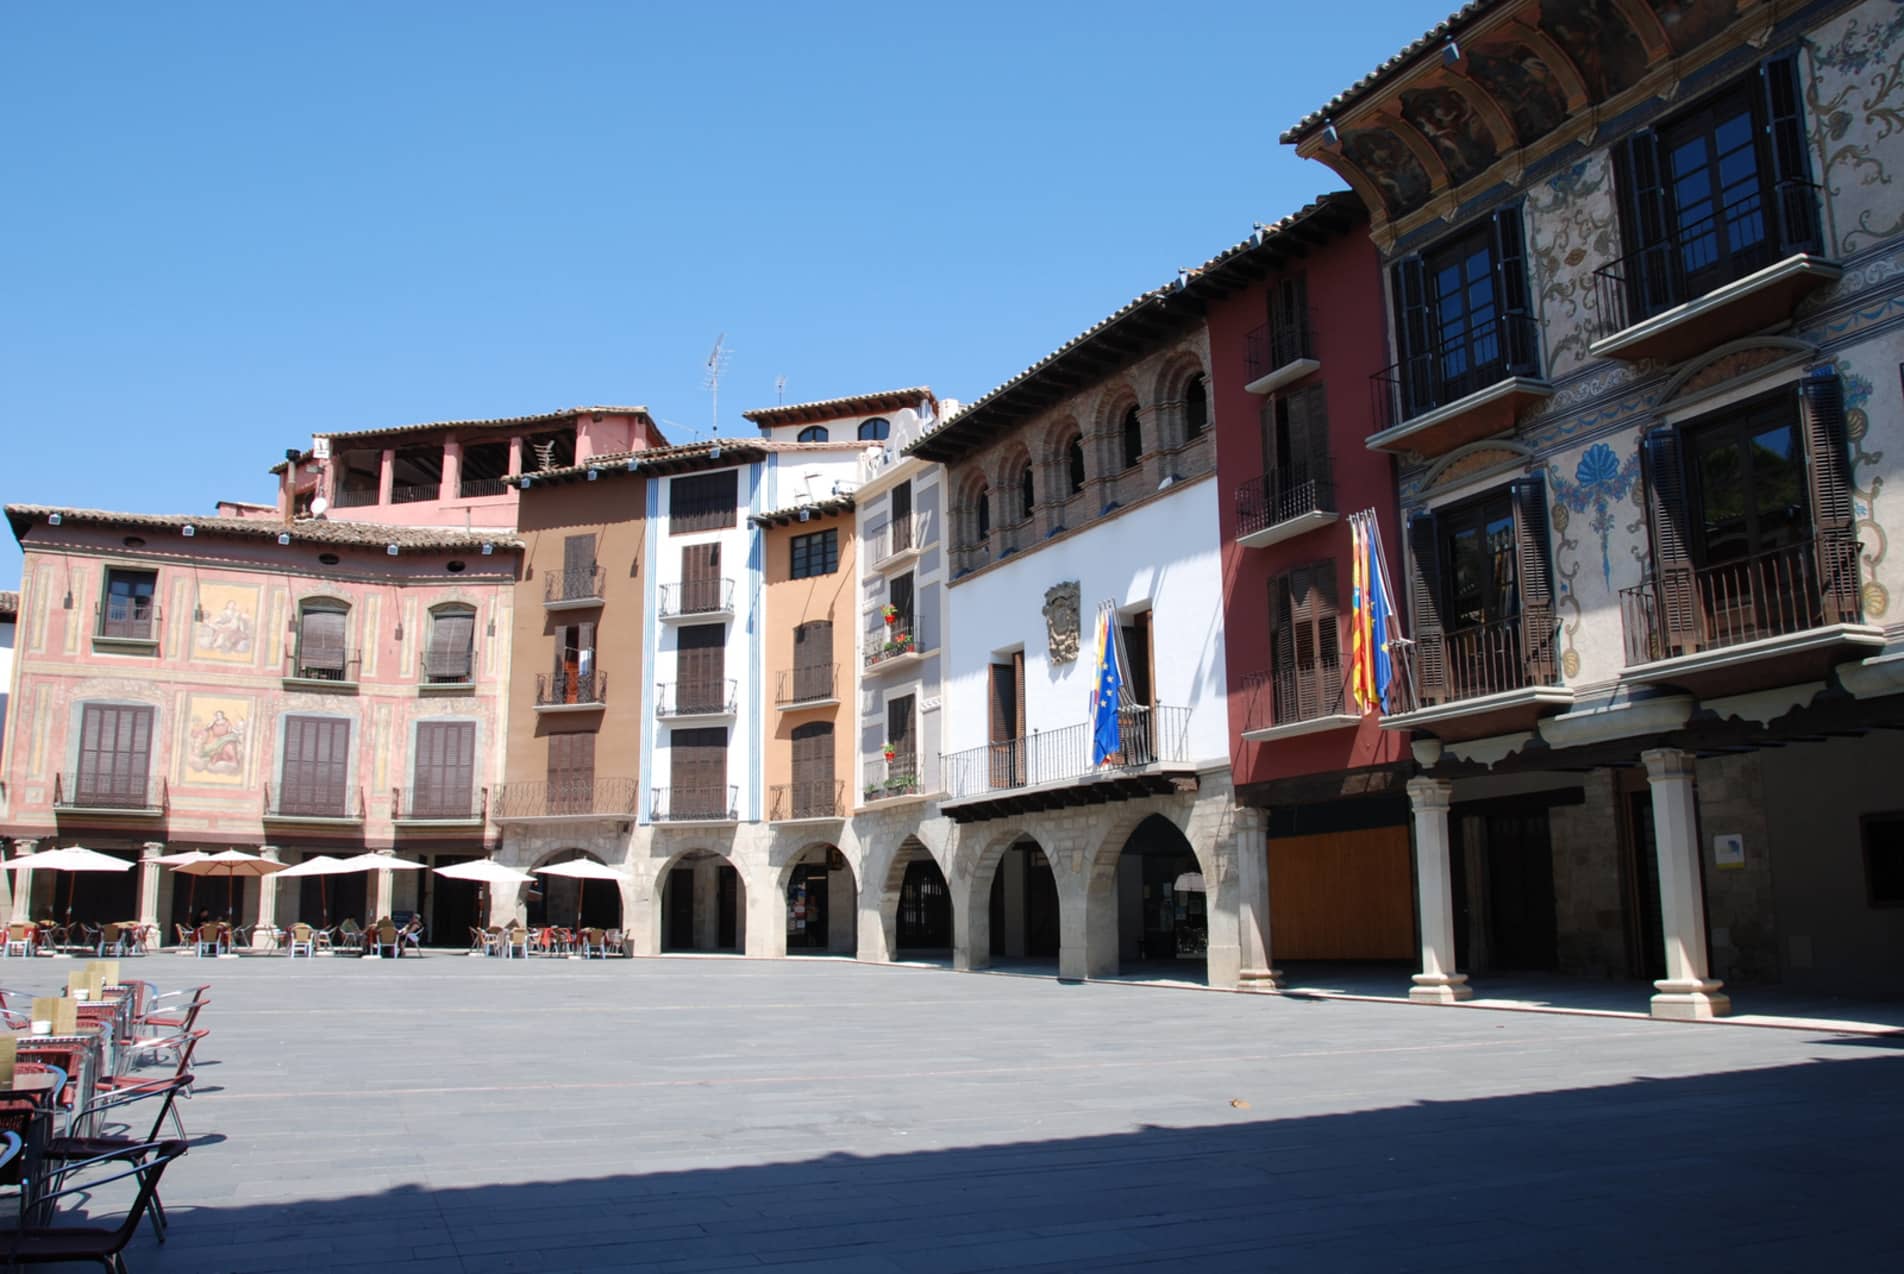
700	578
1272	408
315	779
1288	300
115	754
321	640
1793	199
1309	449
813	770
1649	285
899	725
571	773
1282	647
1004	714
813	660
1518	342
445	769
578	566
1413	333
697	772
450	654
700	668
1677	617
702	502
1425	608
1534	577
1310	619
1821	411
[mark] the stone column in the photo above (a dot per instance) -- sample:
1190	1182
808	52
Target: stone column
971	915
22	909
1687	991
386	890
1013	867
842	915
1437	982
149	870
639	914
386	475
264	937
765	936
1249	843
6	891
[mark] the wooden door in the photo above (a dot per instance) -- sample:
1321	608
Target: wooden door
700	578
115	756
445	770
813	661
813	795
316	771
700	668
571	773
697	772
1343	896
1008	722
578	566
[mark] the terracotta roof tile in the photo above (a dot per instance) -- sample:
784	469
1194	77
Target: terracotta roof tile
1436	36
813	509
302	531
840	408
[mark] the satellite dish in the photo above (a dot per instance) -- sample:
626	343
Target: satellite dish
320	506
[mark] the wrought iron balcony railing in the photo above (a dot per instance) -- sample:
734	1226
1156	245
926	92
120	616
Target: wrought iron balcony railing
695	804
435	805
696	597
416	492
1147	736
1512	653
815	799
571	689
564	798
889	642
474	488
1777	593
1275	498
1747	234
1277	345
580	585
90	790
1500	348
696	698
887	779
812	683
1287	696
332	666
354	497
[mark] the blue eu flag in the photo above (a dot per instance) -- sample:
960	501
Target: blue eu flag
1106	737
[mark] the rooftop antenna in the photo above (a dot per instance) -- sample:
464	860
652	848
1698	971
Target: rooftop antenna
716	362
780	390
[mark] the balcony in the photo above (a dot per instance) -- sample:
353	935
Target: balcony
890	647
354	497
1682	296
331	670
1278	355
1779	617
563	799
571	691
1271	509
896	779
1481	680
115	795
693	601
695	805
416	492
477	488
807	802
426	807
313	805
898	543
814	686
1432	403
1053	770
682	701
575	589
130	623
1291	702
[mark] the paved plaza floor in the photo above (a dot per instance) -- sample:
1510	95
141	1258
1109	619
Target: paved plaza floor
468	1115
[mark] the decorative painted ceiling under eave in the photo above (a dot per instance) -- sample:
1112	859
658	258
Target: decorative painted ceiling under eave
1524	77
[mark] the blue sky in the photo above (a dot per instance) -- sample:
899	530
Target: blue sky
227	226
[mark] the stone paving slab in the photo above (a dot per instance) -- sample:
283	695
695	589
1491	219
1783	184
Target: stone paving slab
472	1116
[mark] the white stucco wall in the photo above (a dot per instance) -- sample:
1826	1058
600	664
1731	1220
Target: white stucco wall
6	674
1162	556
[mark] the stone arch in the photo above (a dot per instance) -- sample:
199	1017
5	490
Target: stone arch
974	517
1115	403
563	897
1733	361
1015	478
712	912
837	904
1169	831
1170	391
972	927
1065	457
884	891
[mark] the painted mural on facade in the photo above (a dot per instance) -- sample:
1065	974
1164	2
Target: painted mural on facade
225	626
217	739
1572	231
1855	102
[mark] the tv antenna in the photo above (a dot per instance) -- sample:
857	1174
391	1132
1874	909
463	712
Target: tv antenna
716	363
780	389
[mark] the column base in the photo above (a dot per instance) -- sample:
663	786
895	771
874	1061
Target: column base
1260	979
1440	988
1694	1000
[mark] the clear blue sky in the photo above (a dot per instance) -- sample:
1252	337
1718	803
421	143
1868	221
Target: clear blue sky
227	226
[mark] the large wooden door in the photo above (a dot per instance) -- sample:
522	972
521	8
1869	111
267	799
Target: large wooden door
1342	896
445	770
316	770
700	668
115	755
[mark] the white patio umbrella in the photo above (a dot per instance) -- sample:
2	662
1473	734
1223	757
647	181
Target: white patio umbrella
320	865
486	872
583	870
231	864
73	858
1191	882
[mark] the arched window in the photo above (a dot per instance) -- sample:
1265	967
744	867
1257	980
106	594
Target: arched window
1074	463
1027	493
1133	439
875	430
1196	407
982	510
813	433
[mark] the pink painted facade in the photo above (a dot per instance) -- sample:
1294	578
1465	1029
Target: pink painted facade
208	665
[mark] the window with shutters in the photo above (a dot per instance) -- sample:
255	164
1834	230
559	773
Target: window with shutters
702	502
1305	643
701	590
1288	322
1297	476
901	738
814	794
449	656
581	579
902	534
697	774
130	609
899	595
443	783
700	668
1466	319
322	646
314	776
1751	523
1027	491
815	554
1711	195
813	677
571	773
115	758
574	679
1008	758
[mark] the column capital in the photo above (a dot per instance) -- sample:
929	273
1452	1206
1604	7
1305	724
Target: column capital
1430	794
1663	764
25	845
152	848
1246	820
271	852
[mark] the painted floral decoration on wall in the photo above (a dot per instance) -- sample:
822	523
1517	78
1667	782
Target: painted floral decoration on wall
1846	142
1600	481
1865	467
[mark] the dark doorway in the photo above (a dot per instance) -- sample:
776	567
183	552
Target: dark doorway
677	911
806	908
106	897
1163	922
1036	918
925	908
1513	902
680	903
1639	886
451	908
344	896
